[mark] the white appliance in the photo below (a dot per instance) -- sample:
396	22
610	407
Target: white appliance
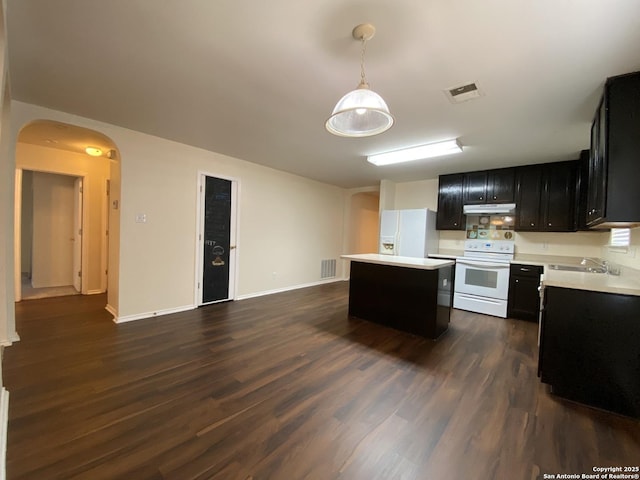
408	233
482	277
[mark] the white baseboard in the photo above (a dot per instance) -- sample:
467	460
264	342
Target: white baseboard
140	316
286	289
13	337
95	292
4	424
111	310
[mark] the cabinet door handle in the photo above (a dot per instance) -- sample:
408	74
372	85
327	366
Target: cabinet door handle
549	224
533	224
517	281
525	269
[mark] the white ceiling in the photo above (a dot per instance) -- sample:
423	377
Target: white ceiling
257	80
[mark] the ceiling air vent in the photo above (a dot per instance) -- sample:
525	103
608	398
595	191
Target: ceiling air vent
463	93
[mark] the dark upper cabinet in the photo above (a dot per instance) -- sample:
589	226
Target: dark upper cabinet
597	173
613	199
528	196
559	200
449	215
475	188
583	190
501	185
546	197
489	186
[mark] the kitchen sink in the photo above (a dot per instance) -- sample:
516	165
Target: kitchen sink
578	268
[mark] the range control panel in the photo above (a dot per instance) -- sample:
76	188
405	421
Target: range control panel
493	246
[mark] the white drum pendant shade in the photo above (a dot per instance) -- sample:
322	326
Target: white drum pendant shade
360	113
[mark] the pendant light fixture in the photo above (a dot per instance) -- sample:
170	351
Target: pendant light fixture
361	112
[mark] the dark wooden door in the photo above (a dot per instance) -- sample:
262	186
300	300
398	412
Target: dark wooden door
559	197
216	239
524	297
597	168
475	188
449	216
528	195
500	185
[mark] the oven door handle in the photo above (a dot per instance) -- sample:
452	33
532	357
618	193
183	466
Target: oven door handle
483	264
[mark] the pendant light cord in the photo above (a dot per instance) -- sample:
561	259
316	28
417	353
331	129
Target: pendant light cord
363	80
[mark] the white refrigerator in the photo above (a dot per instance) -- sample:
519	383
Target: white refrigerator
408	233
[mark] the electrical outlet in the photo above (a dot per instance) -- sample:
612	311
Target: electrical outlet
141	218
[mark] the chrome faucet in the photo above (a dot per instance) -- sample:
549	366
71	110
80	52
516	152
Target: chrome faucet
599	263
602	266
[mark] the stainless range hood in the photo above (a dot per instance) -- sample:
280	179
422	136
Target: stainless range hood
490	209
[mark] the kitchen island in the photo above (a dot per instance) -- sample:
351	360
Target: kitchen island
414	295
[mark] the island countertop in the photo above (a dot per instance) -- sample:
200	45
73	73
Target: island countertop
397	261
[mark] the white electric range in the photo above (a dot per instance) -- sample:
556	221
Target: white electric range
482	277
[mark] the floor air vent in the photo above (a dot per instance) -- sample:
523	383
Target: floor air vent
328	268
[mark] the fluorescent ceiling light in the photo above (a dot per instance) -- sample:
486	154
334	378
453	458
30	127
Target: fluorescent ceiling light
416	153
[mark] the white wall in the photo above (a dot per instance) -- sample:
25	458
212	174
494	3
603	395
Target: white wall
113	241
287	224
95	171
7	176
420	194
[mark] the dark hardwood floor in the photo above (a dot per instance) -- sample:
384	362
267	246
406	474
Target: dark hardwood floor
288	387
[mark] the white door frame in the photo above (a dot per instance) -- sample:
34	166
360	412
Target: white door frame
233	240
17	231
78	232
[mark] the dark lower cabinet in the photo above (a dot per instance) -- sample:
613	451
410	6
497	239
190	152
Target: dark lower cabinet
524	297
590	348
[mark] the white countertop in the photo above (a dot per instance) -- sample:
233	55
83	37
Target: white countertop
397	261
627	283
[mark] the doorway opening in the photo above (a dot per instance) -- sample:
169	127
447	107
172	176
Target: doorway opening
51	235
364	222
217	239
66	203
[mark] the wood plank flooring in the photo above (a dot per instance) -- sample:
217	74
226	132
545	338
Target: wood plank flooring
288	387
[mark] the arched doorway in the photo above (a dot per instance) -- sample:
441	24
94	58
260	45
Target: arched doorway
59	161
363	225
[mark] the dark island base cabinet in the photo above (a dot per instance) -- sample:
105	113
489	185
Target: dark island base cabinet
589	348
412	300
